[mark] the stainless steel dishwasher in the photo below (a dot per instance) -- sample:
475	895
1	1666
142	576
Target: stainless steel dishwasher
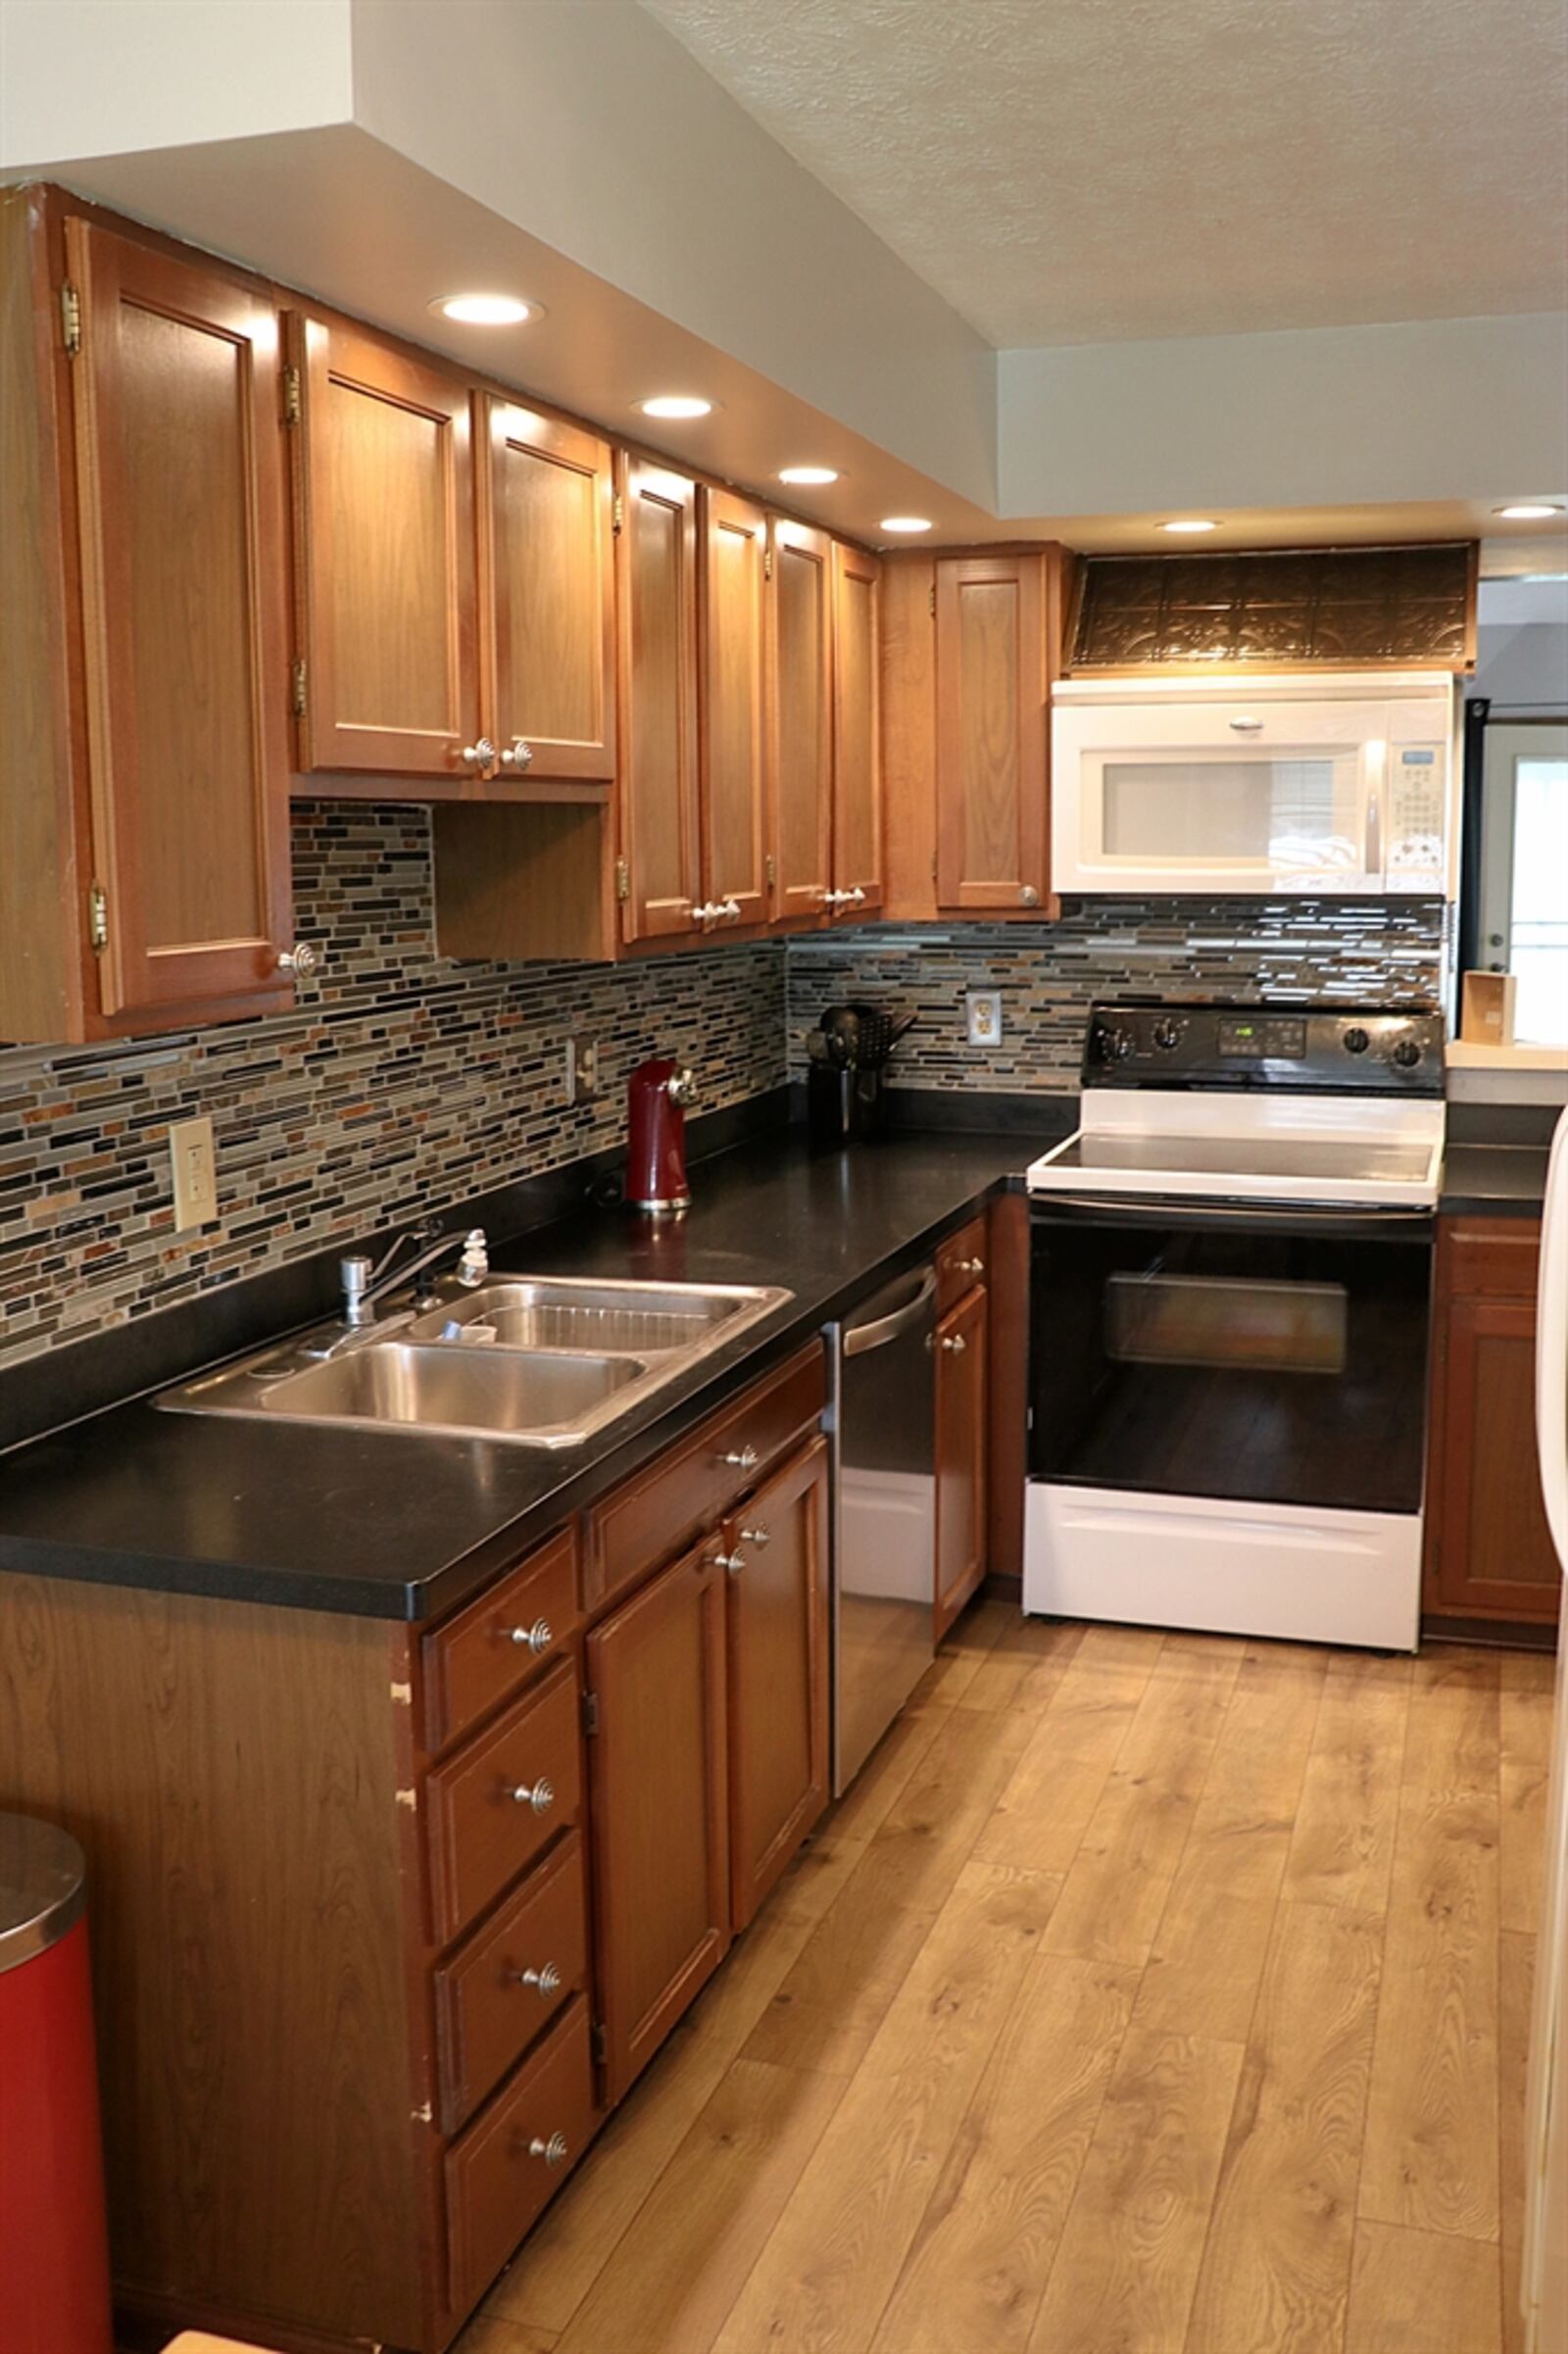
884	1423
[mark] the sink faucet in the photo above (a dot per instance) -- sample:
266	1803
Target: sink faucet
365	1283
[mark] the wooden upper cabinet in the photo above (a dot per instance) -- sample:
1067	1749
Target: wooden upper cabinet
386	557
656	602
858	854
776	1553
180	475
734	822
548	639
657	1765
799	723
991	720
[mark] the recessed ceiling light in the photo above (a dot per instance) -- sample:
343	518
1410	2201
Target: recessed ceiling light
675	405
906	523
808	477
1185	524
1530	511
487	309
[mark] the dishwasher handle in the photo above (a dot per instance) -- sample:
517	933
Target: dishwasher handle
861	1339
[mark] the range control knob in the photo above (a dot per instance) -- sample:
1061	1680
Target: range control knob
1115	1044
1168	1034
1356	1041
1408	1053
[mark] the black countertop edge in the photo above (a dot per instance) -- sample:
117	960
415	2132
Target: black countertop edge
76	1378
249	1511
1493	1181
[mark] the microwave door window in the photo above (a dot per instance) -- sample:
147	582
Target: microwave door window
1286	811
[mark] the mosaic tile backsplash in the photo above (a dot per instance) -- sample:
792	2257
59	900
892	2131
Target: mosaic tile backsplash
403	1083
1382	952
399	1084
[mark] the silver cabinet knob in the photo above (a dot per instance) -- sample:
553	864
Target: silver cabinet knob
482	754
760	1538
553	2151
707	913
741	1459
730	911
858	897
1029	896
540	1795
955	1343
835	898
538	1638
545	1982
301	959
971	1266
733	1562
517	754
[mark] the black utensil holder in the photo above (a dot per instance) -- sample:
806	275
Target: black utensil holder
843	1105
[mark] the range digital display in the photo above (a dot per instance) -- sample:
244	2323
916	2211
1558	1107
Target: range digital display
1262	1039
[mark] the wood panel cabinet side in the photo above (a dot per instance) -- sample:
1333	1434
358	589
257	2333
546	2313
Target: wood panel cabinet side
43	911
910	737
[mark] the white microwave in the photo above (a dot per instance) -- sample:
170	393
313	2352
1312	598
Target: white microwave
1336	783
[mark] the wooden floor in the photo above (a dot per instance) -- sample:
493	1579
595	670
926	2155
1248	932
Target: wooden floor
1149	1992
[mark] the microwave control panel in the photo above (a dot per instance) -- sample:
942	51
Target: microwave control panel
1417	794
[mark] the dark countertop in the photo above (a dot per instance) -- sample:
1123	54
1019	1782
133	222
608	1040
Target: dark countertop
402	1526
1493	1181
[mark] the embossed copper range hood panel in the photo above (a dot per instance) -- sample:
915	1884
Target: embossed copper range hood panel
1278	608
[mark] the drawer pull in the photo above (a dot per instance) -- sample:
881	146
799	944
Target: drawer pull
538	1638
734	1563
955	1343
741	1458
545	1982
553	2151
971	1266
540	1795
758	1537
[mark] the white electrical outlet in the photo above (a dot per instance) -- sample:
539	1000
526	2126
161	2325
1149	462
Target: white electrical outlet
983	1009
582	1070
194	1163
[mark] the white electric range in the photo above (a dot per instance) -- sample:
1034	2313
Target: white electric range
1230	1313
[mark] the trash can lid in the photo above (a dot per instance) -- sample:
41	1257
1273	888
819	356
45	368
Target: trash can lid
43	1886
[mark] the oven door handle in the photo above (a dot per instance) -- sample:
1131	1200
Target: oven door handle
1161	1209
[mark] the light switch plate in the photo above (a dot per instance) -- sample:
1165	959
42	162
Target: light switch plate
194	1163
983	1009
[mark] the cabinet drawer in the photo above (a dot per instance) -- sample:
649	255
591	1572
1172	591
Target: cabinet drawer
503	2170
1489	1259
495	1807
486	2011
960	1263
501	1640
668	1505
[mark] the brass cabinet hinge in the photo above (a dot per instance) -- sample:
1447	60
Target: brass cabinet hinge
298	696
933	600
617	512
98	919
291	396
600	2043
772	872
768	564
70	317
590	1712
623	879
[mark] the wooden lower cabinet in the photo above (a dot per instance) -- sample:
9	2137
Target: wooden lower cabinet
1489	1550
660	1826
961	1445
778	1637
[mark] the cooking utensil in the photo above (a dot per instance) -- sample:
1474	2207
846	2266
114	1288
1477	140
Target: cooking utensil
879	1033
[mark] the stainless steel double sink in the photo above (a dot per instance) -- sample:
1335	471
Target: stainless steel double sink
533	1360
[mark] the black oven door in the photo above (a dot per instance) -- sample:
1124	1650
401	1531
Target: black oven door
1273	1357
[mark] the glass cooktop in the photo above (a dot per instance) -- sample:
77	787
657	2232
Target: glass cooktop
1299	1161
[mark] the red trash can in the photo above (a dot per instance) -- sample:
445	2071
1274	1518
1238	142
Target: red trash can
54	2242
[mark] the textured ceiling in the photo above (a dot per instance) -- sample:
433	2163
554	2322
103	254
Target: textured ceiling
1079	171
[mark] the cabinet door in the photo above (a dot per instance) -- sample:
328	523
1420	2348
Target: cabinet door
179	464
386	557
656	589
991	733
776	1555
1489	1551
856	742
800	713
657	1765
961	1353
546	503
735	559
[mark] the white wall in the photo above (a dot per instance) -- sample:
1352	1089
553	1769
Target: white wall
1333	417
